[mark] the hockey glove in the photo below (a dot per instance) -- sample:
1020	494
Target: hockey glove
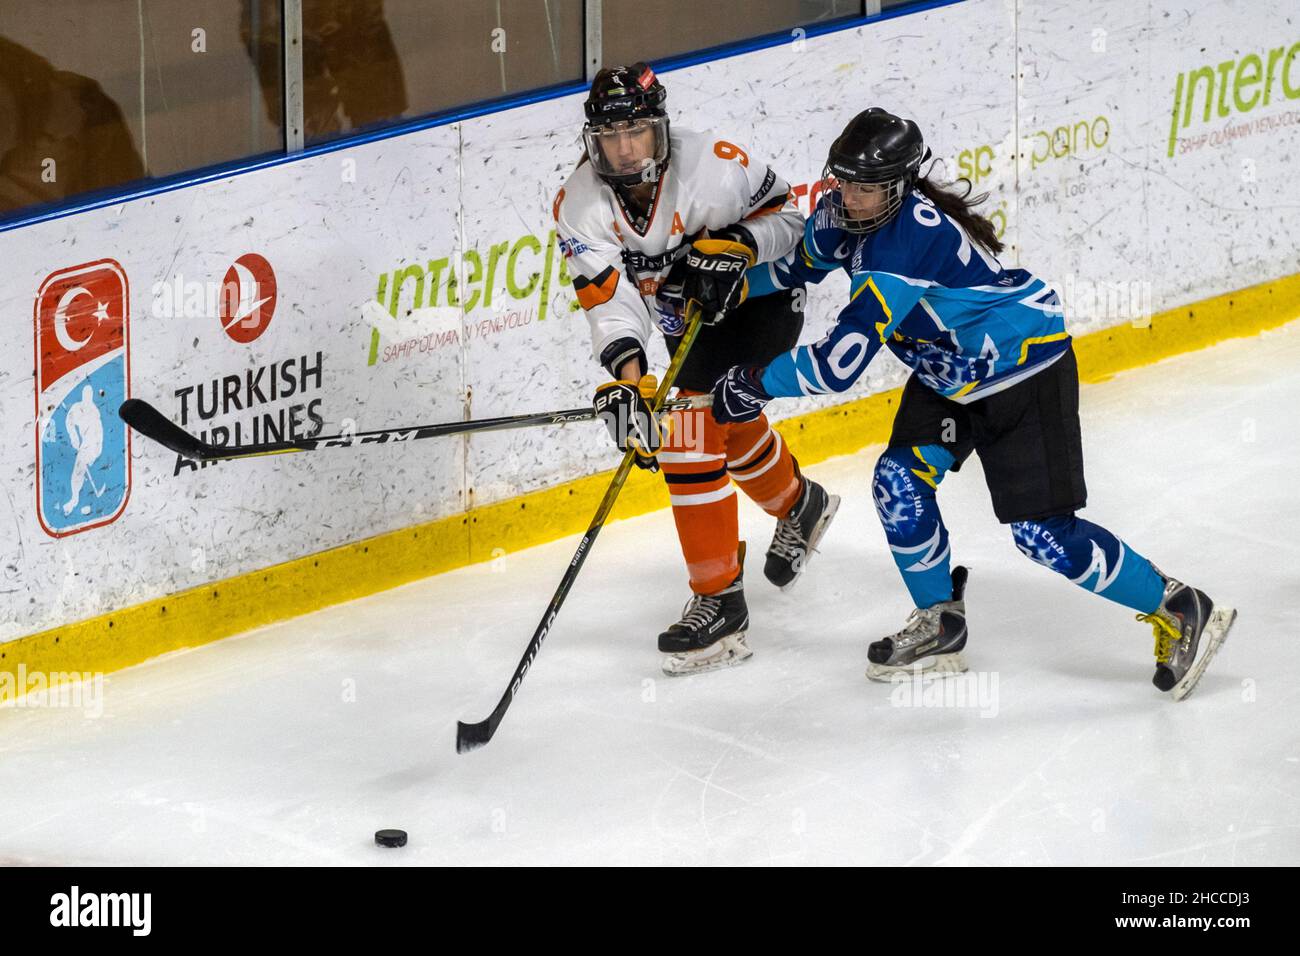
824	242
624	407
739	396
715	276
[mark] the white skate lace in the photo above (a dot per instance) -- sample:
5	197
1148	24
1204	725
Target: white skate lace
921	619
788	542
700	610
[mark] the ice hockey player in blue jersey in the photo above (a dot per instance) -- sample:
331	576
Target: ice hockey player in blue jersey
993	372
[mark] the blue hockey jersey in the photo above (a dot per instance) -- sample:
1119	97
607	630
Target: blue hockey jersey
941	302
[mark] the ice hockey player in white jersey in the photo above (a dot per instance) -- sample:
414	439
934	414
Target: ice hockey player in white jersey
649	220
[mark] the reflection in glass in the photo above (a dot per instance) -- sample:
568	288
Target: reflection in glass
370	61
60	134
653	29
115	91
352	77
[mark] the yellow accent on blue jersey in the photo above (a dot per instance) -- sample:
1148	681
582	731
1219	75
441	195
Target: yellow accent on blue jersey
1024	346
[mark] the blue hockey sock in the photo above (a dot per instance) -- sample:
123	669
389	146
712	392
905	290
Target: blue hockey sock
1093	558
904	485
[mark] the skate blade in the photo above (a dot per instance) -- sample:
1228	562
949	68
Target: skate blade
937	666
1216	632
728	652
819	530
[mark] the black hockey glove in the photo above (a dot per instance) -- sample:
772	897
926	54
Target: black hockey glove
739	395
715	276
624	407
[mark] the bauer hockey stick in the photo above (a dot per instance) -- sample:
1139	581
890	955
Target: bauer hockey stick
472	736
153	424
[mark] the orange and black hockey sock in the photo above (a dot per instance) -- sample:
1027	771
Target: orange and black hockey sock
761	464
694	463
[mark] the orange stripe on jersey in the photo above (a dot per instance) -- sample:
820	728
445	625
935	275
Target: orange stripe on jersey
555	210
594	292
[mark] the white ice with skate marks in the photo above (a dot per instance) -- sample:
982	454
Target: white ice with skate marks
295	743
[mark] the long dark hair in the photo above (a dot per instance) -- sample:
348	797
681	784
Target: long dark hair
961	207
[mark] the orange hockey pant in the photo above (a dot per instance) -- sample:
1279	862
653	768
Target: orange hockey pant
699	461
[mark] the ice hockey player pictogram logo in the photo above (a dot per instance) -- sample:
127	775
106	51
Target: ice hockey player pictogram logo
83	450
248	297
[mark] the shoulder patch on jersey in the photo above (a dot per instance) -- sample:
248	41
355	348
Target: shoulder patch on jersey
572	247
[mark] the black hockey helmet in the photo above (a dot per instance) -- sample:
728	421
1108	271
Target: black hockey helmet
626	134
876	149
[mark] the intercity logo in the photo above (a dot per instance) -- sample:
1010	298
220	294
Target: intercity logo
530	268
83	449
247	298
1251	80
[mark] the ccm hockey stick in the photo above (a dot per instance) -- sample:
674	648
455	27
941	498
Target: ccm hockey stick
153	424
472	736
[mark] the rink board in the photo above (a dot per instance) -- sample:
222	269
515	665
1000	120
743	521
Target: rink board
1143	176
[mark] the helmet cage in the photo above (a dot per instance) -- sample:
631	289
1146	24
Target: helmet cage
604	141
895	182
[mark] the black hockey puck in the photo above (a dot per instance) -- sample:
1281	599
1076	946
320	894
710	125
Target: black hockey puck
390	837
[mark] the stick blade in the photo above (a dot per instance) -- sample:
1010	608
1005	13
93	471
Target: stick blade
473	736
151	423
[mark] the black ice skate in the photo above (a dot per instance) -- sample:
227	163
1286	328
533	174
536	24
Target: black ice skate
711	633
930	642
1189	630
798	533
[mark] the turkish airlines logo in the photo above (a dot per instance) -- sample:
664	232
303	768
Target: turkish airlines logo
247	298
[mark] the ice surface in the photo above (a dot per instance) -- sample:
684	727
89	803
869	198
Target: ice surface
294	743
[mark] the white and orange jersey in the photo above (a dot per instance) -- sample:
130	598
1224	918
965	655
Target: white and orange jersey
618	261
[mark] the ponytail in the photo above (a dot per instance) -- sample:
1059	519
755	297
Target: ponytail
961	207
